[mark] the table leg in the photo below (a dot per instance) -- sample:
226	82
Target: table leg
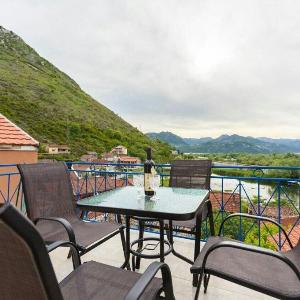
126	263
162	240
197	245
171	240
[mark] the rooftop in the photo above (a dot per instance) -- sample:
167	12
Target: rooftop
11	134
111	253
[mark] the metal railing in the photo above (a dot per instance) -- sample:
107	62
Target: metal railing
260	193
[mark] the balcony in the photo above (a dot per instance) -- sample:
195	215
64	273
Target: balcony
259	194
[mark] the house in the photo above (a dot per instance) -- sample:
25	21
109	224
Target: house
57	149
288	215
16	146
110	157
129	160
84	186
119	150
89	157
231	201
293	233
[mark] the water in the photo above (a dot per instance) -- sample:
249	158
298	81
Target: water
250	189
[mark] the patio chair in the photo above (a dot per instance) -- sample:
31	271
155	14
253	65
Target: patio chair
27	272
50	205
273	273
189	174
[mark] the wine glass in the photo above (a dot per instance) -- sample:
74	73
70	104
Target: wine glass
155	183
138	181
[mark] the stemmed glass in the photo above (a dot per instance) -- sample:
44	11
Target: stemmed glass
138	181
155	183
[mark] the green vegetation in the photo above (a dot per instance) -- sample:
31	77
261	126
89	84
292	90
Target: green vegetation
52	108
275	159
249	231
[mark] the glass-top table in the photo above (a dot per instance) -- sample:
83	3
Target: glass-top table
168	203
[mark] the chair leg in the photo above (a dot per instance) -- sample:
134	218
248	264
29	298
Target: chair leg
195	280
140	244
168	232
198	286
122	234
133	263
206	281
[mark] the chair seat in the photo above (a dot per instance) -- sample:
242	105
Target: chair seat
250	269
94	280
189	224
86	233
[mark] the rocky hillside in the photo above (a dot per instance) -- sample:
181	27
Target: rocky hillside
51	107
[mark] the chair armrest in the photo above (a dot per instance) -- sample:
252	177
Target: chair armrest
245	247
137	290
259	218
75	253
61	221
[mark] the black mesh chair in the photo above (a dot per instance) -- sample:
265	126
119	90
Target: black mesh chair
273	273
27	272
50	204
189	174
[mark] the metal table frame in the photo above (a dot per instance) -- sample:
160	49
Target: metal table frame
161	216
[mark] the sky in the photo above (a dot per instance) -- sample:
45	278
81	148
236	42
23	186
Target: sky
195	68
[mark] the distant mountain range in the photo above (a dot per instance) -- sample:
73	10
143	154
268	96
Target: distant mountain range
228	143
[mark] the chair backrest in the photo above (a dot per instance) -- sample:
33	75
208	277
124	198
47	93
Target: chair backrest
190	173
47	190
26	269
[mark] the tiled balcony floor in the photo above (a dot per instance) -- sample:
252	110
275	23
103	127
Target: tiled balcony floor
111	253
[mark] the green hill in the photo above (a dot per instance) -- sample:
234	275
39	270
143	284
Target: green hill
51	107
167	137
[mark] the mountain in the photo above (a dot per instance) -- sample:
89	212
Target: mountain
291	143
167	137
236	143
52	107
176	140
194	141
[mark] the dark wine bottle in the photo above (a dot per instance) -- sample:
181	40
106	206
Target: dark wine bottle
149	171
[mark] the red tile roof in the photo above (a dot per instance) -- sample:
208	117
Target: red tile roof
11	134
294	235
85	187
231	201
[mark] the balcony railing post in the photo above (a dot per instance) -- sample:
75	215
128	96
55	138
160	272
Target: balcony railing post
240	197
258	210
222	199
86	183
8	188
279	213
95	182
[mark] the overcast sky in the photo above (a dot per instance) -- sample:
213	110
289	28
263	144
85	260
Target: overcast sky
196	68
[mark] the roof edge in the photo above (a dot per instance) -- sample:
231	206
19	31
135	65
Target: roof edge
36	143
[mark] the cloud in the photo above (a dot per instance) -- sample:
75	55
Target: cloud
196	68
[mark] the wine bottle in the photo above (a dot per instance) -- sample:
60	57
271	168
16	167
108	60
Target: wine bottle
149	171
